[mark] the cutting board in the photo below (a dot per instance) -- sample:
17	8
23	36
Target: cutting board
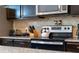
74	31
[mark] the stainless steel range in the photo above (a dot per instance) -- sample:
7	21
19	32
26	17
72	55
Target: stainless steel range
56	31
52	38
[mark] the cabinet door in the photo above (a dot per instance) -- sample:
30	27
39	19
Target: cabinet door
7	42
51	9
73	9
72	46
21	43
17	10
47	8
18	43
10	13
28	10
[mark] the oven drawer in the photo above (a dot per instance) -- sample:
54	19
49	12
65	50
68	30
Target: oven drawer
72	46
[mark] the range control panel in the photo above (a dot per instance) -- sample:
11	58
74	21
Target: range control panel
57	29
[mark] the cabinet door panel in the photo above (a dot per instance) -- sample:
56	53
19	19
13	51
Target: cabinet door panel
7	42
47	8
28	10
10	13
21	43
17	9
74	9
72	46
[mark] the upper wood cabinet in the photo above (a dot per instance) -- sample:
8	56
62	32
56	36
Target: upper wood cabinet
73	9
51	9
23	11
27	11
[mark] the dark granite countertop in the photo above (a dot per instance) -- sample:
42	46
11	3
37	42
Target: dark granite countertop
67	40
20	37
72	40
8	37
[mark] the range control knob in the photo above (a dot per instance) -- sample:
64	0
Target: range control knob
68	28
65	28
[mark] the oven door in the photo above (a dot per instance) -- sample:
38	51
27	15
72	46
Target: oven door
60	35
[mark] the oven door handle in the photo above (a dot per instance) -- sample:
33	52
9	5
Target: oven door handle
44	42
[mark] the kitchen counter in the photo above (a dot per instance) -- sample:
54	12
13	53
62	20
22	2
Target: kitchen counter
8	37
19	49
72	40
9	49
20	37
17	37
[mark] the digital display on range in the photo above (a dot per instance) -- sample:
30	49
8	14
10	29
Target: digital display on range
56	28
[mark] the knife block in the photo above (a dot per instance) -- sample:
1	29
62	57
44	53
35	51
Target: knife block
36	33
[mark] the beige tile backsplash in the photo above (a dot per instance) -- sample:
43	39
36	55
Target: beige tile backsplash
38	23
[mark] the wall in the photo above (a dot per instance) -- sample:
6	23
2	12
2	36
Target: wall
38	23
5	25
